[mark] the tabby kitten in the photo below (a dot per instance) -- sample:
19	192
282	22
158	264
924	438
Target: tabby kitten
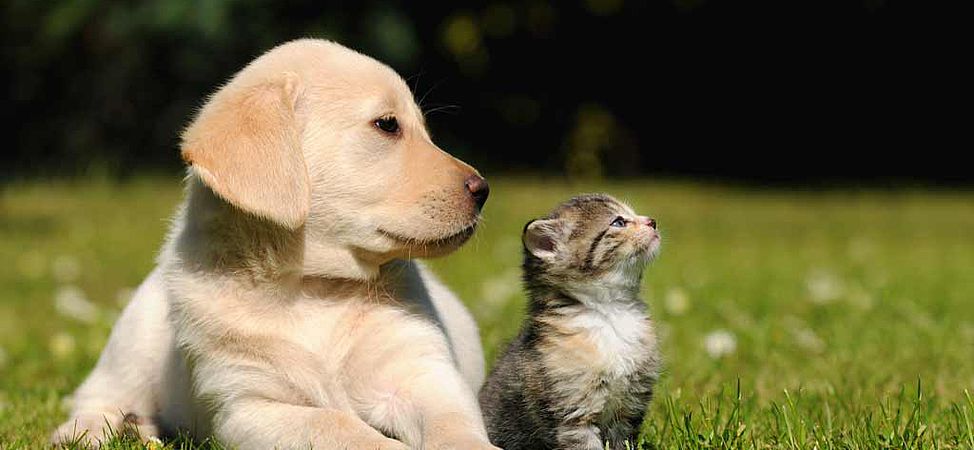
581	372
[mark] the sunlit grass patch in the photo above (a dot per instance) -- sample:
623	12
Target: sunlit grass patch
832	319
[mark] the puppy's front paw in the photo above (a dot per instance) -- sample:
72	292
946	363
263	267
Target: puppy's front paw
468	442
382	443
94	429
455	432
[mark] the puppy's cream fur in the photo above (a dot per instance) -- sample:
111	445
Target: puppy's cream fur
284	311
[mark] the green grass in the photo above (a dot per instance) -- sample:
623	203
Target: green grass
852	311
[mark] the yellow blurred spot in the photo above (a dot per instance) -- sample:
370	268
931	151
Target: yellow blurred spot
66	269
595	130
677	301
541	18
461	35
499	20
603	7
61	345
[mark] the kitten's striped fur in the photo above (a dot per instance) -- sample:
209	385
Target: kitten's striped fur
581	372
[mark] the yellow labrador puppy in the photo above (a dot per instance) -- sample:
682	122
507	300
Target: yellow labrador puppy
284	312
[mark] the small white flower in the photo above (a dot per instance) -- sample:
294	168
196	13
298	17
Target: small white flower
720	343
70	301
807	339
154	443
860	298
676	302
61	345
66	269
498	290
823	287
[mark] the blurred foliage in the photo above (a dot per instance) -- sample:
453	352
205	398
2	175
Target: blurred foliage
584	88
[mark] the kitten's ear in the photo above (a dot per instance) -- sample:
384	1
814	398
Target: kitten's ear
541	237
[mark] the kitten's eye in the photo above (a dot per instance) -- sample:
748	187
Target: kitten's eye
618	222
387	124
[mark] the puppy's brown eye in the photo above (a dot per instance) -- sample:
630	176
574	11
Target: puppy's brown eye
387	124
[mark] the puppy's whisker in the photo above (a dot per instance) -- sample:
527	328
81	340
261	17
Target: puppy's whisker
428	92
415	78
443	108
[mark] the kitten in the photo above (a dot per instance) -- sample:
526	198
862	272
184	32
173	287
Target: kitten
581	371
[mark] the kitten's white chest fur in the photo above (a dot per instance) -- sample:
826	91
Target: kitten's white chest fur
619	330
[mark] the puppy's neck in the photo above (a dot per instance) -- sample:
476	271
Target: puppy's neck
218	237
331	260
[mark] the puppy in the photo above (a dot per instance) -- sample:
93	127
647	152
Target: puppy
284	312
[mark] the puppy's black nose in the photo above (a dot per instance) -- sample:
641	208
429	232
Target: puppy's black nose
478	188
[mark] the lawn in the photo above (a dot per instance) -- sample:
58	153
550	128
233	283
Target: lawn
788	319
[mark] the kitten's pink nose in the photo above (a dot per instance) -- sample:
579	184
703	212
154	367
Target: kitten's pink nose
649	221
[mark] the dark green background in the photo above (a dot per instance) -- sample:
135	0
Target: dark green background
793	91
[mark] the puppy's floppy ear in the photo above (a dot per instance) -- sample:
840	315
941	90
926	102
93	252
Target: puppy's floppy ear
245	146
542	236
